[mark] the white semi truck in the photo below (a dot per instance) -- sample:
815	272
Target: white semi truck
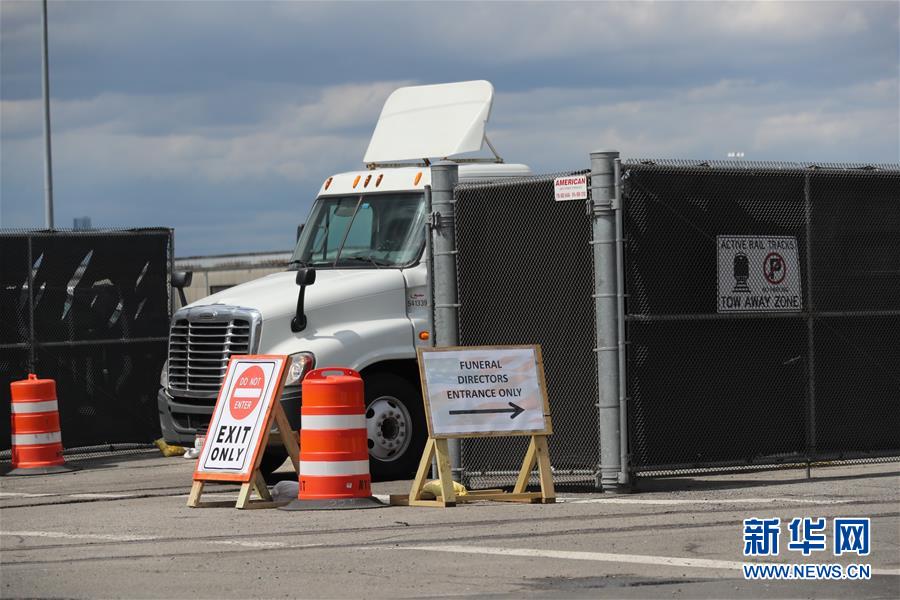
361	301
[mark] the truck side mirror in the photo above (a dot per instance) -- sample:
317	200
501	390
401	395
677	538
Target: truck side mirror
181	280
299	231
305	277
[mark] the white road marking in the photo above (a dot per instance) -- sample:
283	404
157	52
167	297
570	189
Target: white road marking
686	501
248	544
640	559
570	500
82	536
151	538
100	496
85	496
260	544
214	495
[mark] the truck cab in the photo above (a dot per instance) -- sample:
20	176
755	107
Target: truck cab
365	304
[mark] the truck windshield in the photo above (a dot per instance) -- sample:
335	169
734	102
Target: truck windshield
363	231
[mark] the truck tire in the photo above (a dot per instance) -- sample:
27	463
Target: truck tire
273	457
395	425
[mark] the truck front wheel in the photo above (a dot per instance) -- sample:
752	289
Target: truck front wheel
395	424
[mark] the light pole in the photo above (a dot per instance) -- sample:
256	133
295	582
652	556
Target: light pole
48	165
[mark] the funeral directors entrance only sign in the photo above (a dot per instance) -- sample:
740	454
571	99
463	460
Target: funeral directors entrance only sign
240	418
490	390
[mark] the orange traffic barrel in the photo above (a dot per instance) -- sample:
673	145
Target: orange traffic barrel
36	437
334	451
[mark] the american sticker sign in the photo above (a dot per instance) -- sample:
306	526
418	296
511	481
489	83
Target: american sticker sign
758	274
241	417
491	390
570	187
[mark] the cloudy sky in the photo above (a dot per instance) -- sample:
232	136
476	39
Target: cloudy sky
221	119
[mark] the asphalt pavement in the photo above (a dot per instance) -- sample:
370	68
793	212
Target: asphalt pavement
119	527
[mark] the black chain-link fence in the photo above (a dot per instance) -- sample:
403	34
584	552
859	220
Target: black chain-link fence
91	310
733	358
525	276
762	313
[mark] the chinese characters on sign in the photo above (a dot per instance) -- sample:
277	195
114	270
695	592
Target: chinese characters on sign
807	535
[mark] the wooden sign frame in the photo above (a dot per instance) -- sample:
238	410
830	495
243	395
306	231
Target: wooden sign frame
436	449
253	479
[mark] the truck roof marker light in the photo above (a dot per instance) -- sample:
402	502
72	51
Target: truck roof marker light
424	336
368	179
378	181
418	178
328	182
356	181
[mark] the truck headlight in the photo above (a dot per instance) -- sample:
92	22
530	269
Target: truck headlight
299	365
164	375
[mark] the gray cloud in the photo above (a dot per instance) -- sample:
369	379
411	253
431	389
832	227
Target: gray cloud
190	113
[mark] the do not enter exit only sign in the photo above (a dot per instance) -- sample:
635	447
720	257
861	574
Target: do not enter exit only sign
493	390
241	416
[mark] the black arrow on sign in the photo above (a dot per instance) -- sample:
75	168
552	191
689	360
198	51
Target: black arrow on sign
514	409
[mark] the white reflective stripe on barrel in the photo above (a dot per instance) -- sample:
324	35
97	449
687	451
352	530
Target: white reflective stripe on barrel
22	408
32	439
329	467
320	422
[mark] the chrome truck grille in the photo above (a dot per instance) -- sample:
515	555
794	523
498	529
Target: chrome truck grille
201	341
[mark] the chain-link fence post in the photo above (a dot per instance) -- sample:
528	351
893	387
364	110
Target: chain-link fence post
444	176
32	350
603	209
619	207
810	329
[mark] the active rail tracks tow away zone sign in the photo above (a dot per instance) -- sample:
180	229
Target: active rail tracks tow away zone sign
487	390
758	273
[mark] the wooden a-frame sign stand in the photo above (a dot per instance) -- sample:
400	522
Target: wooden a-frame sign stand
252	480
257	482
537	453
436	448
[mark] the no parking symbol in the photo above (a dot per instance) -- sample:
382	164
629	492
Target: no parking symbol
773	268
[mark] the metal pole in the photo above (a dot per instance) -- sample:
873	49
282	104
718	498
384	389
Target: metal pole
624	474
603	207
444	175
810	335
32	351
171	267
429	265
429	291
48	165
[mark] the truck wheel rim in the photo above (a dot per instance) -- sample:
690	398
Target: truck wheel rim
389	428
